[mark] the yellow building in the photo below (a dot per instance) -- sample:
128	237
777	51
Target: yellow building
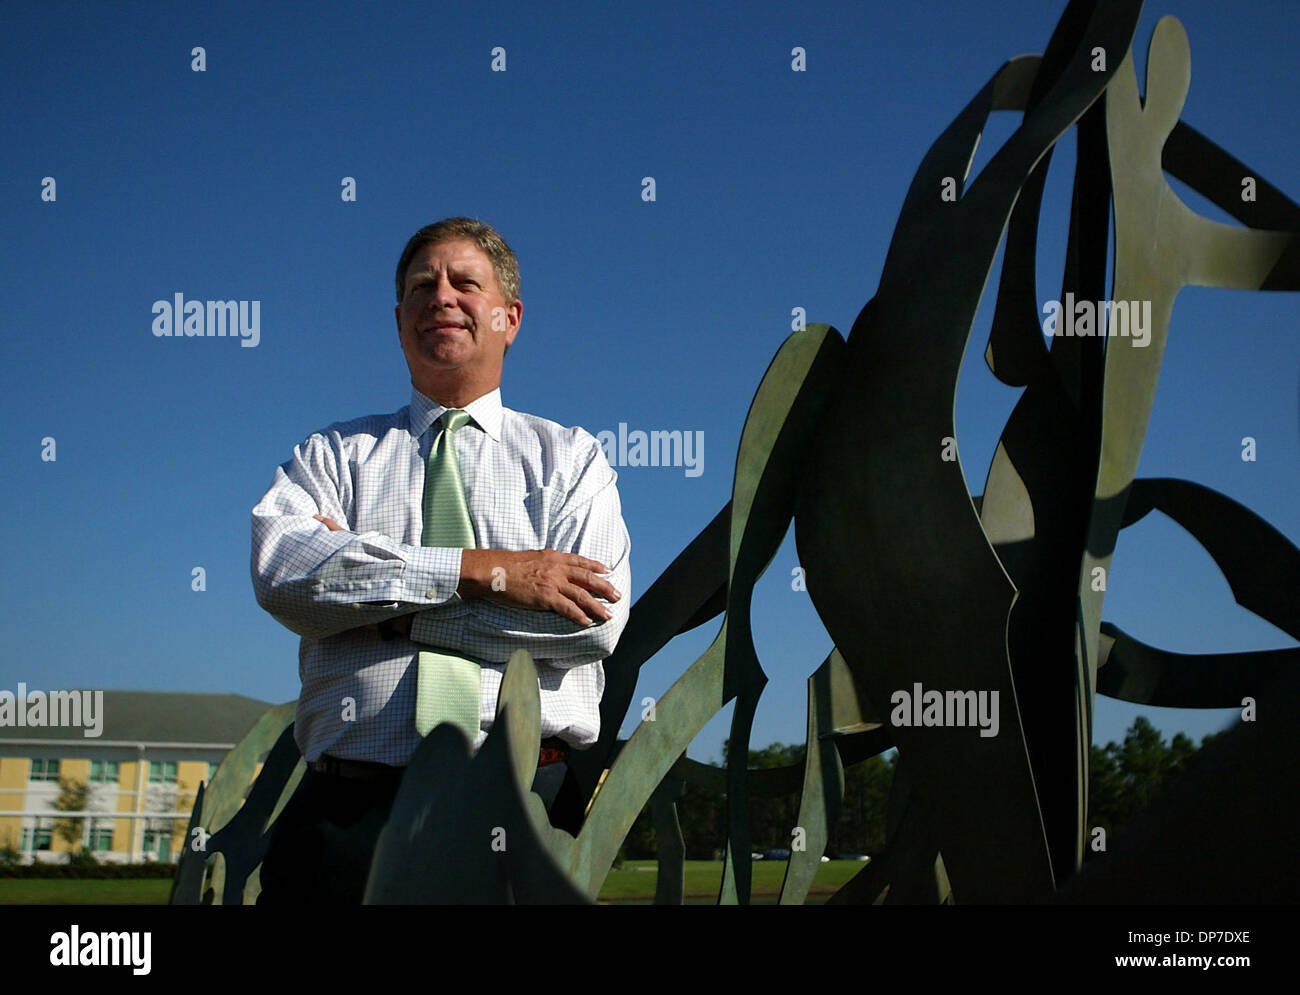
153	749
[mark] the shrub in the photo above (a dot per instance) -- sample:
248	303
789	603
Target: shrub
97	870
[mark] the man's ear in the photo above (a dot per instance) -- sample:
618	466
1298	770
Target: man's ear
514	317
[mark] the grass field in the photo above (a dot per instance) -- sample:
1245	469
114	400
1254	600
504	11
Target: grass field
53	891
635	882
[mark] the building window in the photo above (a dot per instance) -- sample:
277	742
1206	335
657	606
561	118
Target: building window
103	771
37	839
158	843
101	840
45	770
162	773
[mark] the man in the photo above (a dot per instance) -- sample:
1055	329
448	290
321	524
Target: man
390	622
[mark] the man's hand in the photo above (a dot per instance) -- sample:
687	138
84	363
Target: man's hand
539	579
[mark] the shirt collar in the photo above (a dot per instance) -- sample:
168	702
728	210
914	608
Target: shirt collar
485	410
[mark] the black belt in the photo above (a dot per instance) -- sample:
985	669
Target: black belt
553	750
355	770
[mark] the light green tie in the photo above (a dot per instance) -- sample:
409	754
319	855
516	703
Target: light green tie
447	688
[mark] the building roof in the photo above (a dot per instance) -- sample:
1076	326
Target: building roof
157	717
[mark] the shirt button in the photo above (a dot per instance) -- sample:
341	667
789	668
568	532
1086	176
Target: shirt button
431	594
356	605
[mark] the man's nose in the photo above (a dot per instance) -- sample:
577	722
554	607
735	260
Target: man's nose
444	294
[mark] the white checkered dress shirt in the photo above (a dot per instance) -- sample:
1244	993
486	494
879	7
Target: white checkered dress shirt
529	483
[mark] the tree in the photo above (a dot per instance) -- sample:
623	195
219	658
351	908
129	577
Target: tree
1107	793
72	798
181	826
702	815
639	844
1125	778
861	825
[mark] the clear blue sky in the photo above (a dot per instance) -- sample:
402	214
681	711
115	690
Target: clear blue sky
775	189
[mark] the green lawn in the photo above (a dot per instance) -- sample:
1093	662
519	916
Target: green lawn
635	882
56	891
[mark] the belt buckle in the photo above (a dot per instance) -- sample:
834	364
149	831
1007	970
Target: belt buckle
326	765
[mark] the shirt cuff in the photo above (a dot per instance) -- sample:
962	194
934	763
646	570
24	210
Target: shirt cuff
431	576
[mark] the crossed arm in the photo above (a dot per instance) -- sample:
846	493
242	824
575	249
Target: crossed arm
539	580
319	579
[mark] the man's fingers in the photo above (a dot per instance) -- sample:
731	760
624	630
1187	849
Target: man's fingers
330	524
576	614
588	607
588	603
587	572
563	603
595	566
598	586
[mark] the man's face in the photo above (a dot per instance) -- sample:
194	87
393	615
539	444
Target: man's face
453	322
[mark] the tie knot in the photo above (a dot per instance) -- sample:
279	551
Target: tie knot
454	418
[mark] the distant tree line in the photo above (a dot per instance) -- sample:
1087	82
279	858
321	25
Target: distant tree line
1124	779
